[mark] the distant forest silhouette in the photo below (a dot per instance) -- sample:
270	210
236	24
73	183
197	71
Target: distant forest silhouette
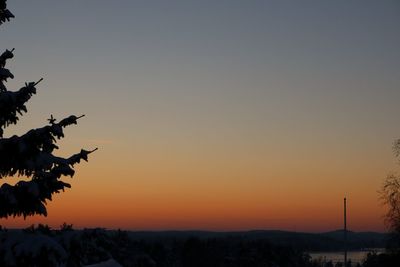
72	248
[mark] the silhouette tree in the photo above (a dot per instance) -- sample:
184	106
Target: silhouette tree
31	154
390	196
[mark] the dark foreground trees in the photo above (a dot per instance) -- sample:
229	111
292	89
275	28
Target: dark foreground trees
390	196
73	248
382	260
29	155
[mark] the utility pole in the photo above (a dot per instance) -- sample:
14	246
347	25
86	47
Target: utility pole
345	232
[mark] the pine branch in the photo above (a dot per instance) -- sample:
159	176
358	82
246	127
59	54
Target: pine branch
5	74
31	152
6	55
27	198
13	103
5	14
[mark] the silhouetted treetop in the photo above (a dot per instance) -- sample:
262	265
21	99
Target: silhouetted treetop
31	154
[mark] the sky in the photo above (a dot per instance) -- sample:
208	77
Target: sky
214	115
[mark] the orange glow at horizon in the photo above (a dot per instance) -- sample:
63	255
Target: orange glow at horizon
236	115
231	197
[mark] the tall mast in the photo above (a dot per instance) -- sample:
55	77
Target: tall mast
345	231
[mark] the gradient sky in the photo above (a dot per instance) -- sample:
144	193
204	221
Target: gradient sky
219	115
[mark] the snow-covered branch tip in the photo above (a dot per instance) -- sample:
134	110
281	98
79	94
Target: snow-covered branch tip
91	151
70	120
36	83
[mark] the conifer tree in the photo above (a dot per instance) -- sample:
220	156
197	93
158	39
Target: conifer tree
31	154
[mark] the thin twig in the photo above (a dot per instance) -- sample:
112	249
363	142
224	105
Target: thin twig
41	79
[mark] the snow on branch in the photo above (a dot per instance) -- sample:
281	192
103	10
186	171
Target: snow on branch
28	198
32	152
6	55
5	14
12	104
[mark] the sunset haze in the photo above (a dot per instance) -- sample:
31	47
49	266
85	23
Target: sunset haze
214	115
